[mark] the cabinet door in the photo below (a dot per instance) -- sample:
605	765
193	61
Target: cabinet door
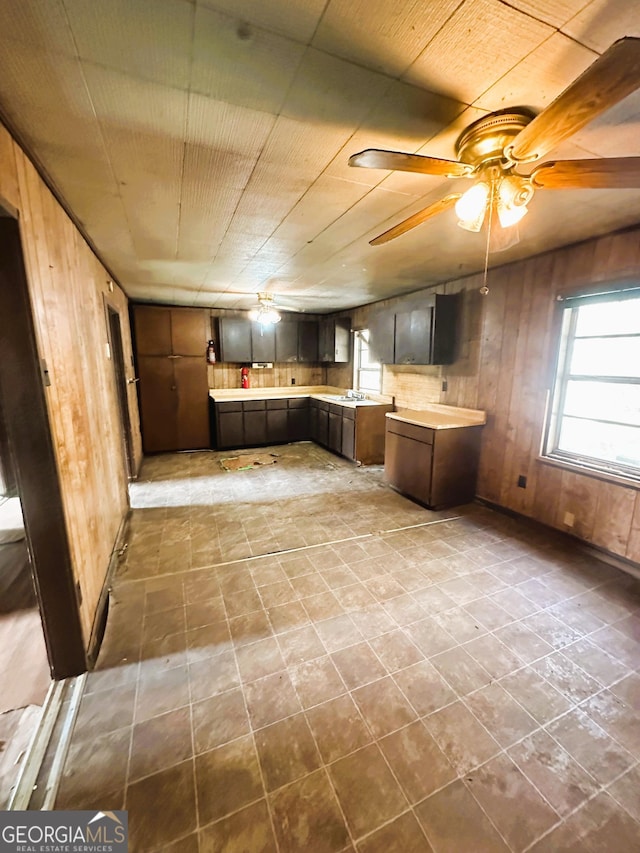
192	416
342	341
298	424
381	335
263	342
407	466
277	426
413	336
307	340
323	427
348	437
235	339
157	403
443	344
286	341
313	420
153	330
255	427
230	432
190	331
326	340
335	432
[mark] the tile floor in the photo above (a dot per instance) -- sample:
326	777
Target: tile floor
393	679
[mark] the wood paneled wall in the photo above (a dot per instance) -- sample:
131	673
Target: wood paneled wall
66	286
506	359
227	375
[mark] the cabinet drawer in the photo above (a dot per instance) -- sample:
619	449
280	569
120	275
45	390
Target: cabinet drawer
335	409
298	402
276	404
349	413
417	433
321	404
230	406
254	405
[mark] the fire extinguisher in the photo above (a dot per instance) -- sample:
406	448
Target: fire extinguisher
211	352
244	377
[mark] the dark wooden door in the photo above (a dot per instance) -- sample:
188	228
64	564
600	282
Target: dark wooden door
263	342
230	433
298	424
192	410
335	432
158	403
287	341
255	424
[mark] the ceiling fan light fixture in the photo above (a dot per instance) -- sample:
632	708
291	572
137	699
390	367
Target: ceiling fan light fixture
265	315
514	193
471	207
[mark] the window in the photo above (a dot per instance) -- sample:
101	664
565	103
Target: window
367	374
595	418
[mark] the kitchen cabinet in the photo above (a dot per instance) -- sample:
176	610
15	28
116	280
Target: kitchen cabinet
170	346
437	467
286	341
229	425
235	339
348	448
263	343
335	428
382	326
307	340
254	422
298	419
335	340
277	421
426	334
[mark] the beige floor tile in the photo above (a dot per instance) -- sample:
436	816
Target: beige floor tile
417	761
338	728
367	791
464	741
425	688
440	816
287	751
383	706
248	829
271	699
160	742
162	807
403	835
227	778
500	714
306	816
219	719
358	665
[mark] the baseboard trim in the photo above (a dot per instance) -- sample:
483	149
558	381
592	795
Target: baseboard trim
102	608
587	548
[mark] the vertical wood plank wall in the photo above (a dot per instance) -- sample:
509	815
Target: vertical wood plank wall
506	359
66	287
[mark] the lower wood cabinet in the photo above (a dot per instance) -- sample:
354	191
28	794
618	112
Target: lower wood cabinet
251	423
437	467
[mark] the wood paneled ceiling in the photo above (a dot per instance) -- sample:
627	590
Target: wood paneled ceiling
203	145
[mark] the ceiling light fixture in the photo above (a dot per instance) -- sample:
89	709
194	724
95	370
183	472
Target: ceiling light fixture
265	313
508	194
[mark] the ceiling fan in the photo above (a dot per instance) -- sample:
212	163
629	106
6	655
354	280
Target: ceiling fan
491	149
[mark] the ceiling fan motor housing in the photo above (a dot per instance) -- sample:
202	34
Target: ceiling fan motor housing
485	141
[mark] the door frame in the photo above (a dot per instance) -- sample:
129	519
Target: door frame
116	352
23	377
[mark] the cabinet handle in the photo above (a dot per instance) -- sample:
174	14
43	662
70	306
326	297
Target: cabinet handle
133	380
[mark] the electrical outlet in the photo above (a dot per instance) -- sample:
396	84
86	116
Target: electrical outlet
522	482
569	518
445	385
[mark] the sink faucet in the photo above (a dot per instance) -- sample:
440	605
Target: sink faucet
356	395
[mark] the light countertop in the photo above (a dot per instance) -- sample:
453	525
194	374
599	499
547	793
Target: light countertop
319	392
438	416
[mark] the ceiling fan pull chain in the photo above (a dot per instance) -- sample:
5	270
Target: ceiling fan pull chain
484	289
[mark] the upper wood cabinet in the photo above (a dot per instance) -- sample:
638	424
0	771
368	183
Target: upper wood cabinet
423	334
307	340
335	340
286	341
235	339
263	342
171	348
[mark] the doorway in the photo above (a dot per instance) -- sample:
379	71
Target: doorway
120	375
40	632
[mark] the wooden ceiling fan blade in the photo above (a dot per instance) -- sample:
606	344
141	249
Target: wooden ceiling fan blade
375	158
612	77
609	173
417	219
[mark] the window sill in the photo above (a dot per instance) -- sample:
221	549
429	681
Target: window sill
594	473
